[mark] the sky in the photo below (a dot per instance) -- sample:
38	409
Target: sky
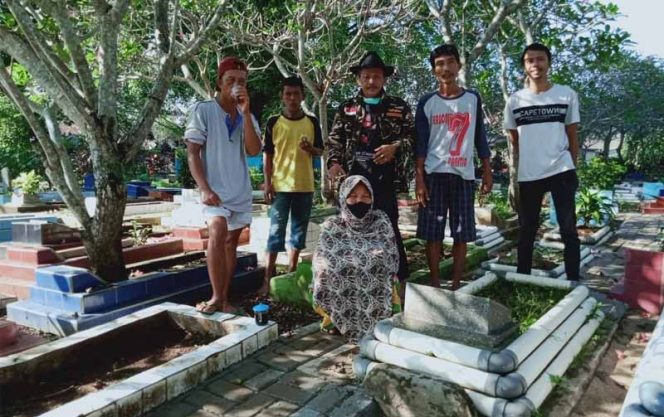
643	20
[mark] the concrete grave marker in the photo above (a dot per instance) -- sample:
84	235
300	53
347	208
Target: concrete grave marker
468	319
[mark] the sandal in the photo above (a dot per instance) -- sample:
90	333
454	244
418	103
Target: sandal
206	307
333	331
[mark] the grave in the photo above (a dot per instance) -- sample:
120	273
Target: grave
645	396
654	207
455	316
236	338
588	237
7	221
501	268
489	238
643	284
17	270
63	299
512	379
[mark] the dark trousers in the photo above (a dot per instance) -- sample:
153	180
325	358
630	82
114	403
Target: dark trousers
563	188
385	199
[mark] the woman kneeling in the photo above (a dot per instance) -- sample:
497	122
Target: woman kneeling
355	264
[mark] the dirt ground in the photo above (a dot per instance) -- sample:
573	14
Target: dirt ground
126	355
608	388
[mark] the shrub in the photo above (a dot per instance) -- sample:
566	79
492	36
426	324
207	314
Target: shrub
500	202
183	174
590	205
28	182
600	173
257	177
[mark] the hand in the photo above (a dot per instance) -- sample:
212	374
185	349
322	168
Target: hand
335	171
242	99
384	154
487	182
421	193
210	198
268	193
306	146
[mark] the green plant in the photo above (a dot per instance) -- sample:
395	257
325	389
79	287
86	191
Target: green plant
527	302
500	202
600	173
28	182
557	380
183	174
629	207
257	177
139	233
590	205
165	183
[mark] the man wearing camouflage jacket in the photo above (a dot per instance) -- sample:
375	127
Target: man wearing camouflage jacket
372	135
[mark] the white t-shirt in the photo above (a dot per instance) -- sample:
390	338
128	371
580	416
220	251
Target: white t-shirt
449	129
223	154
540	119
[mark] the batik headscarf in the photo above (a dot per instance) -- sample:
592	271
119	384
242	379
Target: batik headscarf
354	264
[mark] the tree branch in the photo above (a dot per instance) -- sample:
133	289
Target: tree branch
69	190
72	105
195	45
73	42
503	11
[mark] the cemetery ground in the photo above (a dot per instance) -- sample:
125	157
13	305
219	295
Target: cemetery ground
304	372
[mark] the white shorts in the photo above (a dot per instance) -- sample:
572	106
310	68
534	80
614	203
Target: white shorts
234	219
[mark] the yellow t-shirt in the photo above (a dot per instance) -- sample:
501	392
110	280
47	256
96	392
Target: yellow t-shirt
292	167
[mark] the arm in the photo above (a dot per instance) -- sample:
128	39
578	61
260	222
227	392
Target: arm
252	140
208	197
421	150
482	146
571	131
268	168
336	145
514	139
571	125
315	149
421	192
403	144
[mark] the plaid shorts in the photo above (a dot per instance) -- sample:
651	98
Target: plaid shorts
448	192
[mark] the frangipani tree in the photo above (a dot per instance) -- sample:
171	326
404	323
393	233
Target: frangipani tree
80	58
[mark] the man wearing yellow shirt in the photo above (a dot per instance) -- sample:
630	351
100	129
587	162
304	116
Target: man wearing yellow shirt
292	139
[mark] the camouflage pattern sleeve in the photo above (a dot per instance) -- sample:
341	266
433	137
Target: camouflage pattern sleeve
336	140
405	167
408	139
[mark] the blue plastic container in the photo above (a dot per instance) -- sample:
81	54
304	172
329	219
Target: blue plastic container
261	313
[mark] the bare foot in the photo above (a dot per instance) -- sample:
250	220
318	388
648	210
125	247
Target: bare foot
229	308
264	290
208	307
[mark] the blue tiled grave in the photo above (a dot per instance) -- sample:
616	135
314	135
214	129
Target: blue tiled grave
67	299
7	221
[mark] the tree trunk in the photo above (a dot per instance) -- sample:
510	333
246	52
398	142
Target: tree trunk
607	142
103	239
619	149
322	118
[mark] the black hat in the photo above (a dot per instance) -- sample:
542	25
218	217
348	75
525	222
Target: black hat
372	60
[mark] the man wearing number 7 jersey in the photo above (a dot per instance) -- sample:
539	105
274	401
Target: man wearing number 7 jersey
449	128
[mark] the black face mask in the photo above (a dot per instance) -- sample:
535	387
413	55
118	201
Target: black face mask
359	210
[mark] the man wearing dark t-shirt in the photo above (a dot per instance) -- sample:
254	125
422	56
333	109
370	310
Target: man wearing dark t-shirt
372	135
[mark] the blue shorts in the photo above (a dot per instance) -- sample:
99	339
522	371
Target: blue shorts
448	192
298	207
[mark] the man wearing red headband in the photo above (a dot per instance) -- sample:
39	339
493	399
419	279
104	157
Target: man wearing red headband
219	135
